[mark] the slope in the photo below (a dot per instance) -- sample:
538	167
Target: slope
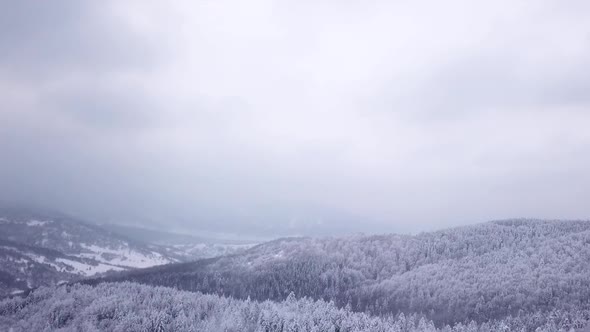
482	272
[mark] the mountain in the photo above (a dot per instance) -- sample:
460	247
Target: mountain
483	272
24	267
147	235
182	247
42	247
511	275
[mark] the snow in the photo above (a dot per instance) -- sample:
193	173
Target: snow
34	222
41	259
62	264
203	250
78	267
21	261
125	257
87	269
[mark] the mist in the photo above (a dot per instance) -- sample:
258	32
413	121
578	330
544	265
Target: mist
274	118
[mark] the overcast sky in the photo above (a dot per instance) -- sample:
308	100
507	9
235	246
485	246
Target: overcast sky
270	118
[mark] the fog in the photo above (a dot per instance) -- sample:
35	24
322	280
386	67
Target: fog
269	118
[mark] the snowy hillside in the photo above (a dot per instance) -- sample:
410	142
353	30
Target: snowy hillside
25	267
481	272
44	247
73	237
133	307
195	251
182	247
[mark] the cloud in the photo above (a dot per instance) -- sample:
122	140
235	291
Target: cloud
45	39
276	118
104	107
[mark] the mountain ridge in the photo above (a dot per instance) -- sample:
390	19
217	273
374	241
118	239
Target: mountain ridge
44	247
478	272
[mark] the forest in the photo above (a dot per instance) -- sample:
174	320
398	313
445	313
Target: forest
515	275
482	272
120	307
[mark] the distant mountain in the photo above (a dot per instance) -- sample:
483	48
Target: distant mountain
167	238
75	237
487	271
24	267
42	247
182	247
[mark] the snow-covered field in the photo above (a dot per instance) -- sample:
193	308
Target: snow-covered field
123	256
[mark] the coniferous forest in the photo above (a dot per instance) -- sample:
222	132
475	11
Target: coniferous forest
515	275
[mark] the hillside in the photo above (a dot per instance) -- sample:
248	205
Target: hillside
182	247
39	247
132	307
482	272
71	236
43	247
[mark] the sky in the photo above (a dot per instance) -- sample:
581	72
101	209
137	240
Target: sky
268	118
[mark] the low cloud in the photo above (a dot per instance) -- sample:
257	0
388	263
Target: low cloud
271	118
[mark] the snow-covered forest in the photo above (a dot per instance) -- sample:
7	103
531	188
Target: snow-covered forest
132	307
480	273
516	275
